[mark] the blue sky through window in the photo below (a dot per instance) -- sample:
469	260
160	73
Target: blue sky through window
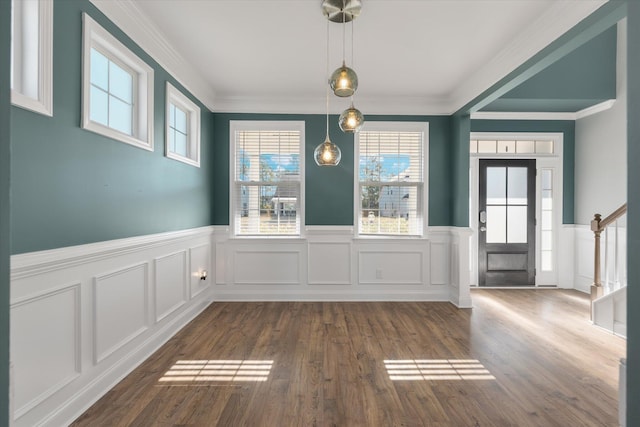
392	166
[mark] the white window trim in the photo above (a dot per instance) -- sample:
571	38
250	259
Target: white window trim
177	98
381	126
258	125
543	161
94	35
44	103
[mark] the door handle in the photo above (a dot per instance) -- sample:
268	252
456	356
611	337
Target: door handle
483	228
483	217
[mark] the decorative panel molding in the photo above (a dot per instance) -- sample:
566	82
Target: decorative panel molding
460	287
170	283
70	344
439	262
266	267
45	345
329	263
200	261
332	264
121	308
584	258
35	263
401	267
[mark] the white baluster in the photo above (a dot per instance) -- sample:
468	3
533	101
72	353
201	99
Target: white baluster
616	266
607	286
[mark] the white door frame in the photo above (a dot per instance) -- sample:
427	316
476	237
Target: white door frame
543	161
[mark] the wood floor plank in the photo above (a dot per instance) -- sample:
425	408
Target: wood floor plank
518	358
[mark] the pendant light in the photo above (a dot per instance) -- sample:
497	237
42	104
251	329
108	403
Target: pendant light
343	81
327	153
351	119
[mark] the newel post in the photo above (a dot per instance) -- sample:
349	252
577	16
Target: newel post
596	287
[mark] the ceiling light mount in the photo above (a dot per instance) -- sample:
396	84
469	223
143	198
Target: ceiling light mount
341	11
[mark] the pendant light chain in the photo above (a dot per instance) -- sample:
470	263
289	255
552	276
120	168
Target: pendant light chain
344	16
353	55
326	75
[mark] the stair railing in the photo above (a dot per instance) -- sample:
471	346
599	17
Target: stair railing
598	225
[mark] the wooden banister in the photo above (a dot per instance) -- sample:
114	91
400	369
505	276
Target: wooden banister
611	218
597	226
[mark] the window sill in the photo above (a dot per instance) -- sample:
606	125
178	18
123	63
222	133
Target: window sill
118	136
183	159
291	238
389	237
27	103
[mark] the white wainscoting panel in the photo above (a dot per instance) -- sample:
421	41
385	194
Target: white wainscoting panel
329	263
121	308
200	261
267	267
439	262
566	256
460	287
171	283
584	258
332	264
402	267
82	317
45	348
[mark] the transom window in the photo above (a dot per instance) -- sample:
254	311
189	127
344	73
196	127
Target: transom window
267	190
391	193
182	127
481	146
117	89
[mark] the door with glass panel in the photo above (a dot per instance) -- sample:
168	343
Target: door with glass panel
506	223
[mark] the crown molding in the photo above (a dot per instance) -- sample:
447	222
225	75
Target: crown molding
533	115
317	105
557	20
589	111
126	15
598	108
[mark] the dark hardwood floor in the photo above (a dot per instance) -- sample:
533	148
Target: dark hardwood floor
518	358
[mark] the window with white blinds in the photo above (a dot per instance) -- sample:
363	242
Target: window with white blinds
391	192
267	189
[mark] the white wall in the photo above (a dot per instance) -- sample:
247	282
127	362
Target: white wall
83	317
601	151
330	264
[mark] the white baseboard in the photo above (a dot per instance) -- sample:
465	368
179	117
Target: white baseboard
89	314
92	392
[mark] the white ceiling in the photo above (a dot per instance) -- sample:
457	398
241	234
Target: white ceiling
411	56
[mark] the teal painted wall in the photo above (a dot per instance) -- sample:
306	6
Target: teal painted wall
633	214
582	78
460	128
71	186
329	191
566	127
5	200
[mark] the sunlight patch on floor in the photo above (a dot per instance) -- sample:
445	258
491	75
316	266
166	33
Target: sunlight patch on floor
218	370
436	369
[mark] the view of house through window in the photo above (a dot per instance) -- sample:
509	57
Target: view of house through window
267	196
391	182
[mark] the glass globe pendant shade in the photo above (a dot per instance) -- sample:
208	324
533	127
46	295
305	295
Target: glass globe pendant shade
327	153
351	120
343	81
